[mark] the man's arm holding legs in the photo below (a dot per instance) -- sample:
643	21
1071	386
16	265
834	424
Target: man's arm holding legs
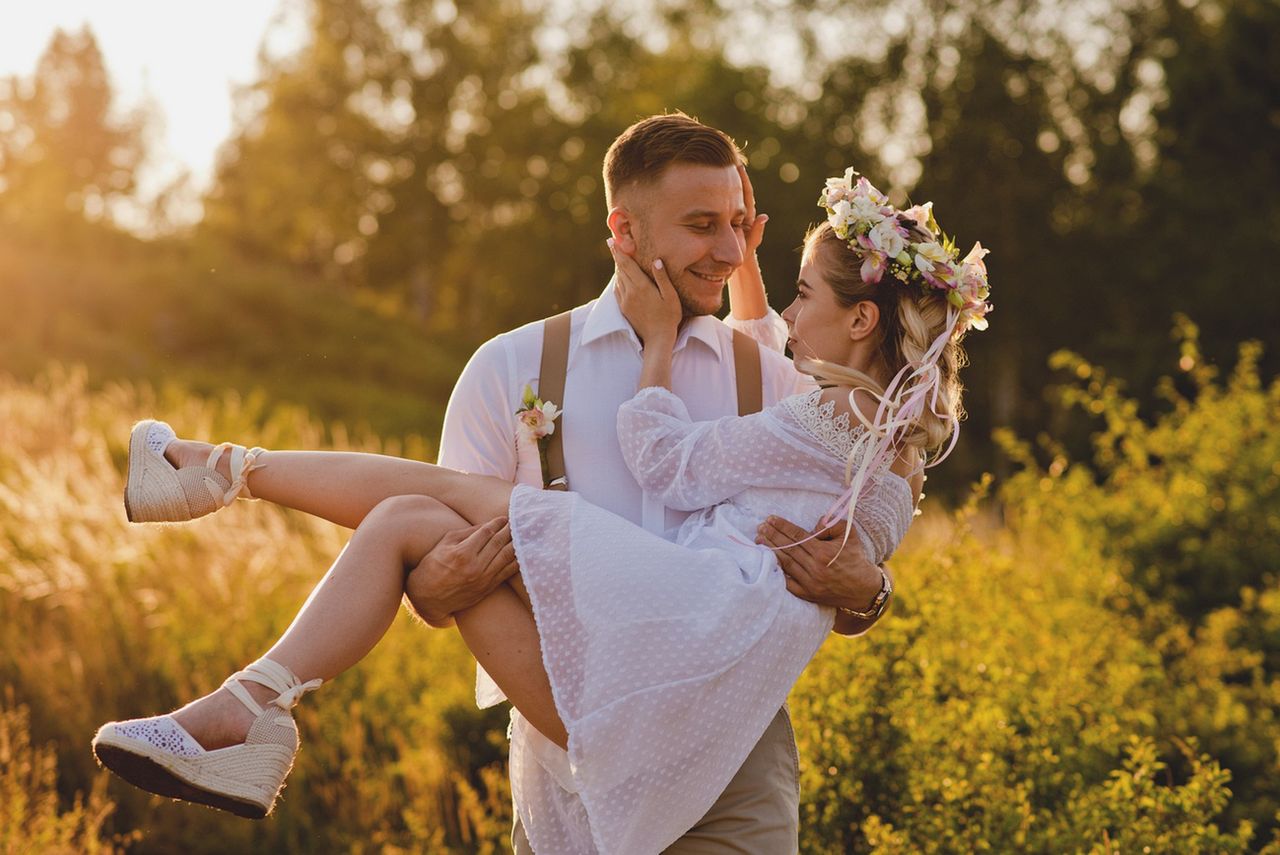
821	571
478	437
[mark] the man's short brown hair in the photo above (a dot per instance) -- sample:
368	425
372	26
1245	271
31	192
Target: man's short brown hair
643	151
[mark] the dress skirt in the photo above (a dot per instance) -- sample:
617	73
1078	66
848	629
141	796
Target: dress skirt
667	661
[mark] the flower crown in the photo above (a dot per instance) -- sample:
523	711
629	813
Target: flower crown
908	244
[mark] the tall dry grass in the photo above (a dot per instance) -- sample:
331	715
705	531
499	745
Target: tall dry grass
100	619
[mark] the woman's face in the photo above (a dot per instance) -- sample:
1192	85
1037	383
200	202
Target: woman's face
818	326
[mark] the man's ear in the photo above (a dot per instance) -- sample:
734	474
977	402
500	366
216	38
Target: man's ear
864	317
622	224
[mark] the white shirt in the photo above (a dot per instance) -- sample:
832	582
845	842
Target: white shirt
603	371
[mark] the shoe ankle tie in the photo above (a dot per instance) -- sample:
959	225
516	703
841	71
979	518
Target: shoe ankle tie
274	676
242	463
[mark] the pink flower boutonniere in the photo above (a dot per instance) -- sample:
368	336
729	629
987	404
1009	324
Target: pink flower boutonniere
536	421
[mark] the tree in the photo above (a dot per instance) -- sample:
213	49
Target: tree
294	183
63	154
1213	216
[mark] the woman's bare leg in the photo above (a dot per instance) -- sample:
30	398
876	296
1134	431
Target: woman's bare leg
339	486
355	603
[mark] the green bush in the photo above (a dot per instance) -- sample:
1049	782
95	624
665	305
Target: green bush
994	711
1186	504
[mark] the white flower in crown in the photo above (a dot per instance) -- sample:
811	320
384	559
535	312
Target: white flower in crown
843	217
838	189
907	244
888	237
972	285
870	206
929	256
922	216
936	264
972	290
844	183
866	189
974	317
865	210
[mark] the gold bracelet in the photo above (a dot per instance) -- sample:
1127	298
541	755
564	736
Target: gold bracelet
878	605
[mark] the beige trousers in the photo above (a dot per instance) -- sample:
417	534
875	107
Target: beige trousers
758	813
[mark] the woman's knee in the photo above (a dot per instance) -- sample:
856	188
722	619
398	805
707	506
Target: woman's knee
403	517
410	524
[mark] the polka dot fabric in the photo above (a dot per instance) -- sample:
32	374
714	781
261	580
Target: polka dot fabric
668	657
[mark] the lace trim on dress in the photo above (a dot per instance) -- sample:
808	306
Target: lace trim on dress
821	422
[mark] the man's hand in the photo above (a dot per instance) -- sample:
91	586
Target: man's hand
819	571
461	570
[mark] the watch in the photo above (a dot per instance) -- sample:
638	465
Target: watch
879	604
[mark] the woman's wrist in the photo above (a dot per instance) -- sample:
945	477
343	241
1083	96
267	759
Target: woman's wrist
657	343
747	298
655	370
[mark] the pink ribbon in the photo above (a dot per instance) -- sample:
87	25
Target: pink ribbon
916	386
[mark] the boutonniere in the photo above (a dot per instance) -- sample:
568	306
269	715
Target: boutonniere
536	421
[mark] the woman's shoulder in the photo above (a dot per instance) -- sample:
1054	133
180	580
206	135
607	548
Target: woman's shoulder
813	414
840	402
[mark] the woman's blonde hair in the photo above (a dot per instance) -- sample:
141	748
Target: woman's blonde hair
911	319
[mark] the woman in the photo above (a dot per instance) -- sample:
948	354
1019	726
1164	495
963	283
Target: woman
656	663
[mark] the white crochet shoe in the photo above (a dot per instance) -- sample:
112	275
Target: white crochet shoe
156	492
158	755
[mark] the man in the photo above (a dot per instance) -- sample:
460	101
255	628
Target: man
673	189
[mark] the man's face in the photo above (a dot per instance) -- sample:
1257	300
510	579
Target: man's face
692	218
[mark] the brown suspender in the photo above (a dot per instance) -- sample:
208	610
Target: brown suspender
555	362
746	369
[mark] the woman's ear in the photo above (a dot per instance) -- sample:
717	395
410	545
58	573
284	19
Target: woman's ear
864	317
621	225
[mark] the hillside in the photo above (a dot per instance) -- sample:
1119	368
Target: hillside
204	322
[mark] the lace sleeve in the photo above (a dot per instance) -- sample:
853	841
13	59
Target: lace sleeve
770	331
691	465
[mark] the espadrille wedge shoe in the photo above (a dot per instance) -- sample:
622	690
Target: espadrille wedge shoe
158	755
157	492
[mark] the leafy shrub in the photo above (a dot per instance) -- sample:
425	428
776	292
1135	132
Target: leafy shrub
992	712
1185	504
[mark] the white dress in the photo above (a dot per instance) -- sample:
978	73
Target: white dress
668	657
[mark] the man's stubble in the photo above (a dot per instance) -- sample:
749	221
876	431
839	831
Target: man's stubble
645	255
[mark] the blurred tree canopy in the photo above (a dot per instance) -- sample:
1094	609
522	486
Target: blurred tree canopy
64	158
445	157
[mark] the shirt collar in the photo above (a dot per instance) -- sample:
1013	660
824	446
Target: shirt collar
605	318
